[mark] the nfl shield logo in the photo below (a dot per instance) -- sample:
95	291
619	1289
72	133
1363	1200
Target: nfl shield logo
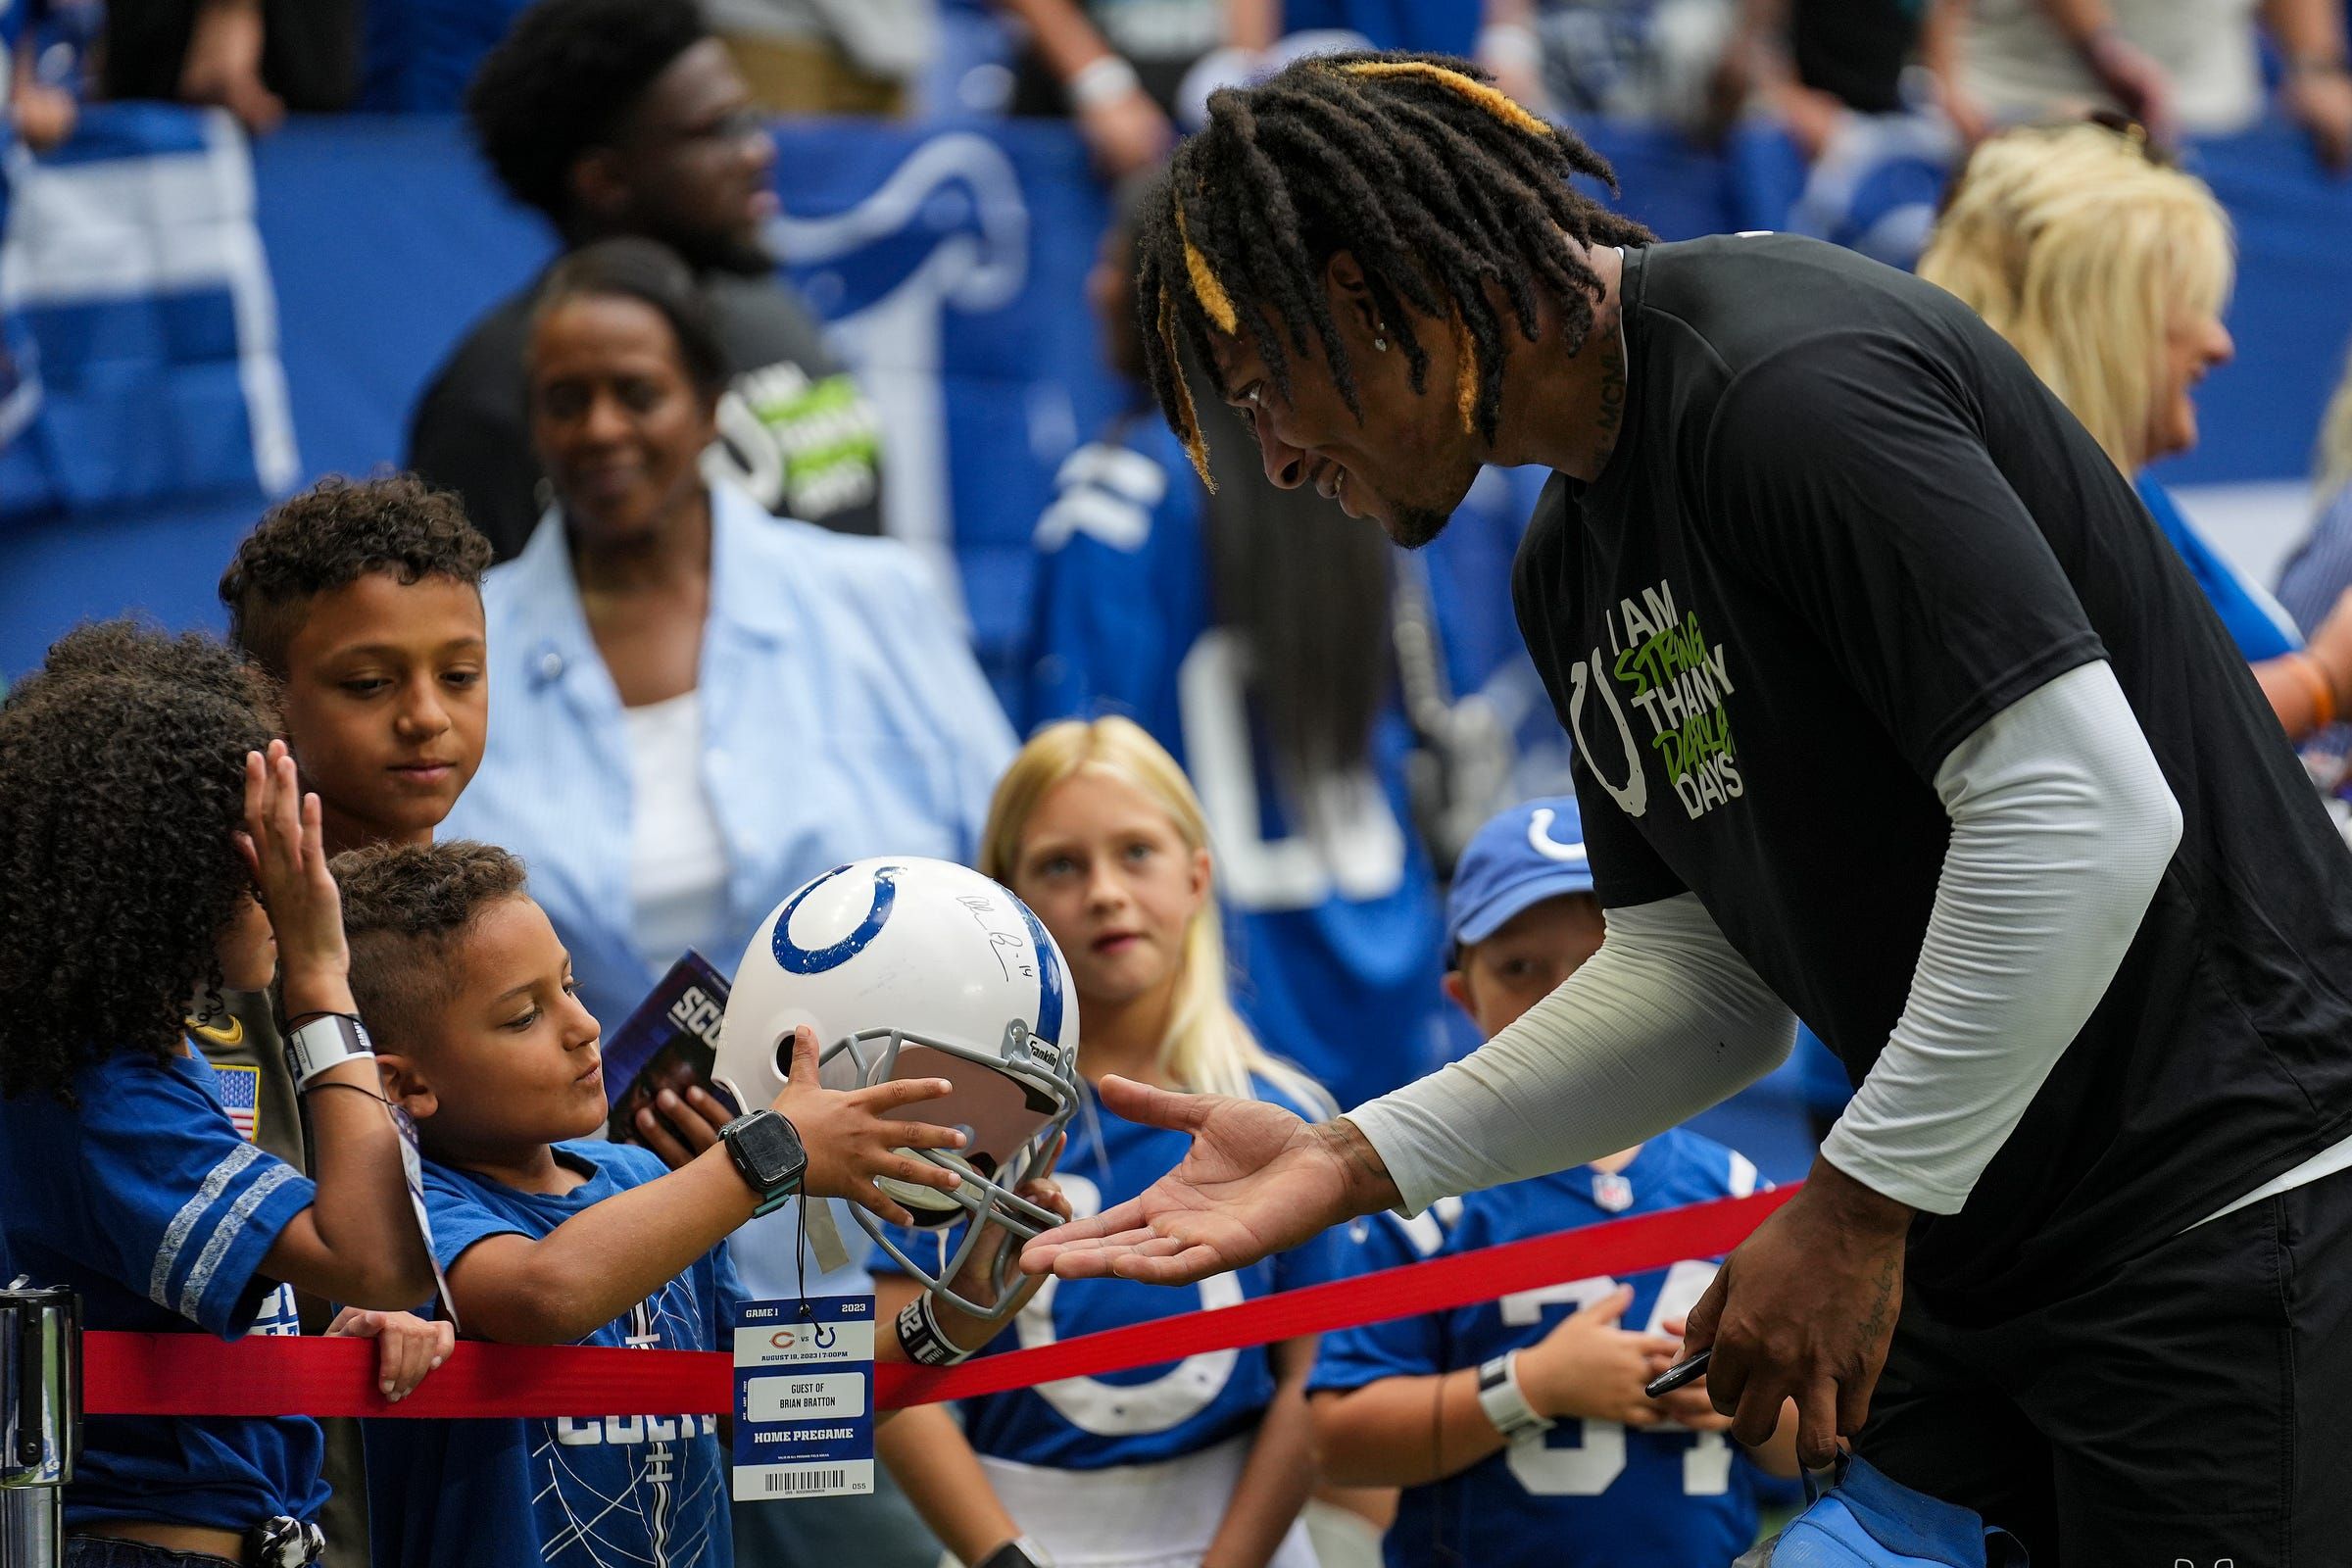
1612	1191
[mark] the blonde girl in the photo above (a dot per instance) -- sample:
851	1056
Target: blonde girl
2108	271
1206	1460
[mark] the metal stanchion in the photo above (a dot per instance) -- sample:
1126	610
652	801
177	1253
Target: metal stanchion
40	1420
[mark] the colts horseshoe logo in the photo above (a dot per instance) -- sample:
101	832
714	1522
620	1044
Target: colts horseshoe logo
1633	799
796	959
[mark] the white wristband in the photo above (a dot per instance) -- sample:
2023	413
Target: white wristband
1506	1401
326	1041
1104	79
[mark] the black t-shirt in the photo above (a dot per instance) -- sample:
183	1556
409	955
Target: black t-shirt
794	428
1844	526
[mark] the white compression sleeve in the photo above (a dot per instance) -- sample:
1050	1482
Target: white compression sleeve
1662	1022
2062	827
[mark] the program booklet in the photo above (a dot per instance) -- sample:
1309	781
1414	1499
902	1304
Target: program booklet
669	1042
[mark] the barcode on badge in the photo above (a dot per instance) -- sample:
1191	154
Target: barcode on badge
754	1483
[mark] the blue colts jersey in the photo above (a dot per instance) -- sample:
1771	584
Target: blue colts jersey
146	1201
1586	1493
646	1489
1336	927
1153	1413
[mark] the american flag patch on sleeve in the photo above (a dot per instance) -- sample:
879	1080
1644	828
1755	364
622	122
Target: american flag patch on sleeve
240	1096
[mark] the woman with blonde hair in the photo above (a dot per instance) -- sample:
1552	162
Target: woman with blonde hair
2108	271
1206	1460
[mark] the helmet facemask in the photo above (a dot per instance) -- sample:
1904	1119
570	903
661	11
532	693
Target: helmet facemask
1013	1105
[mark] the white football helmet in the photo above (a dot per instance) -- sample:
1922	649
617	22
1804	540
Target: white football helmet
909	967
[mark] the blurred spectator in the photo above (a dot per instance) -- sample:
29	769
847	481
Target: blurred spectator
1116	66
1501	36
254	58
2179	67
700	707
627	117
2108	271
1812	64
41	48
2320	569
1652	61
828	57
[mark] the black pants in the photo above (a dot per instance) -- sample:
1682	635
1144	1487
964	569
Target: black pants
2193	1405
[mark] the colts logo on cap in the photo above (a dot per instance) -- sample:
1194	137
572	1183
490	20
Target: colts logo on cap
1540	839
796	959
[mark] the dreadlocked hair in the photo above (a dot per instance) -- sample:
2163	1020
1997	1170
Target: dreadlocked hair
1438	185
122	777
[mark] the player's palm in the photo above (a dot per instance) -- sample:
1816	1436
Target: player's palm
1255	1182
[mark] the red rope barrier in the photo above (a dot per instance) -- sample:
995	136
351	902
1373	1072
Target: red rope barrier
194	1374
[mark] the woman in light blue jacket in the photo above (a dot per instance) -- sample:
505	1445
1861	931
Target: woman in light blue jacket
699	707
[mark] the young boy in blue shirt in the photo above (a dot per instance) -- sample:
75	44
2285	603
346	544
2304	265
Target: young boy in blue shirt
1518	1427
550	1239
143	804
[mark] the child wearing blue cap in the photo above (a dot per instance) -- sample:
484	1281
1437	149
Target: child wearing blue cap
1518	1427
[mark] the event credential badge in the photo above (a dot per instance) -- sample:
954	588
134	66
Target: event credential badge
804	1397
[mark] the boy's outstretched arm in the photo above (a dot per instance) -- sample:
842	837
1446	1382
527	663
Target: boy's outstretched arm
602	1261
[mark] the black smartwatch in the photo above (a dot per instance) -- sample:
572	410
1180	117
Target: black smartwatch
768	1151
1022	1553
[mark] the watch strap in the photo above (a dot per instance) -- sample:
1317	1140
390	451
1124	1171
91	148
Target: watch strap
1021	1552
325	1041
922	1338
1504	1401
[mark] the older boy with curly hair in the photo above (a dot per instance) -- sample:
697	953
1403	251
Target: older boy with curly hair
362	600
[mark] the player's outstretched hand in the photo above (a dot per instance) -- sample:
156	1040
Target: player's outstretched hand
1256	1181
408	1346
851	1139
1804	1309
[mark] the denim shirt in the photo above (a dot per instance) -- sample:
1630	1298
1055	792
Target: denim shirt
843	715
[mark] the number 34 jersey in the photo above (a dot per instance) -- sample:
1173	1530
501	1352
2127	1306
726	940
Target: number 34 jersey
1586	1493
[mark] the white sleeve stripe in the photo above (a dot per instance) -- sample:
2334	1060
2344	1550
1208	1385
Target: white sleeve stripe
176	1235
225	1236
1742	1177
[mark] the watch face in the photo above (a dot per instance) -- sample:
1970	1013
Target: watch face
772	1147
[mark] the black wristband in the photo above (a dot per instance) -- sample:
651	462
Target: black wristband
922	1338
1022	1553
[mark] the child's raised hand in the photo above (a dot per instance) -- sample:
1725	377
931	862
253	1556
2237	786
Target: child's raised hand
849	1141
286	850
408	1346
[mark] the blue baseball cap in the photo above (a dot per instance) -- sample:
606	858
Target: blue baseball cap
1529	854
